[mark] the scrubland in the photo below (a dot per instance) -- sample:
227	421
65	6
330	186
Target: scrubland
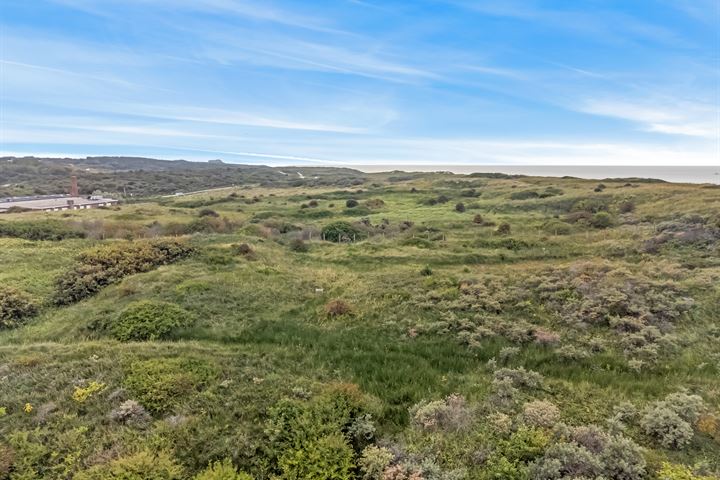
427	326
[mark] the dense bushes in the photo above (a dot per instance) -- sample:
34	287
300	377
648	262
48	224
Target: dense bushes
524	195
160	384
341	232
221	470
320	438
589	452
601	220
40	230
15	307
143	465
669	421
452	413
149	320
107	264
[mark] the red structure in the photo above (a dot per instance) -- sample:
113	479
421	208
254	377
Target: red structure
74	187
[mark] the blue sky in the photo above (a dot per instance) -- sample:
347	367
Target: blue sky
345	82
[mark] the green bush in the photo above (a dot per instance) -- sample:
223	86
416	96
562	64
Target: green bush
144	465
149	320
160	384
374	461
107	264
223	470
39	230
524	195
671	471
304	435
341	232
15	307
328	457
557	227
352	203
208	212
601	220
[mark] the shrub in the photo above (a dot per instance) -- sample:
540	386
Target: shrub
208	212
506	353
40	230
689	407
671	471
221	470
460	207
107	264
315	438
298	245
623	459
557	227
545	337
519	377
503	229
161	383
565	461
320	459
341	232
351	203
375	203
540	413
143	465
669	421
626	206
15	307
426	271
313	203
524	195
130	413
373	462
449	414
665	426
207	224
601	220
81	394
335	308
478	219
242	249
149	320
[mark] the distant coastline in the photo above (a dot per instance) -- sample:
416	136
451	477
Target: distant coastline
675	174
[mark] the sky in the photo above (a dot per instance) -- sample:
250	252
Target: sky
364	82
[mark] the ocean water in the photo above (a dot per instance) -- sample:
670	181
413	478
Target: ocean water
677	174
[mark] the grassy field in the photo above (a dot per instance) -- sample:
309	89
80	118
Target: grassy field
468	327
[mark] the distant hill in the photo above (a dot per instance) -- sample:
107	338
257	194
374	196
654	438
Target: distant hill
142	177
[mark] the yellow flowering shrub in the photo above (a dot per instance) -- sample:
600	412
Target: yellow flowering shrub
670	471
80	394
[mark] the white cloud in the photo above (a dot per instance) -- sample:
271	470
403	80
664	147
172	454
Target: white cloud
660	116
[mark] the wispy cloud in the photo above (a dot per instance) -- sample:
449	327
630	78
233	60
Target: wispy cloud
364	81
261	11
680	118
602	24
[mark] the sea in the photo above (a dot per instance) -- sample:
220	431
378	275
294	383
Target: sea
676	174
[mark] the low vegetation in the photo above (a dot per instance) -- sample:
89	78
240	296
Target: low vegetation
376	327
